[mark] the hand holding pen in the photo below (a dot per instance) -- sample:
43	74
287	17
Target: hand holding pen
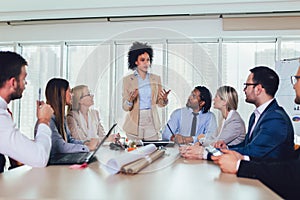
40	96
43	111
179	139
173	137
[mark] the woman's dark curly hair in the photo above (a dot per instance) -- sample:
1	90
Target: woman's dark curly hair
137	49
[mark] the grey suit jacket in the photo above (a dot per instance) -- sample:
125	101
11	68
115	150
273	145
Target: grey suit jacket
234	130
59	145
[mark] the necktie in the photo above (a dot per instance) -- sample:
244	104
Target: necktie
255	115
194	124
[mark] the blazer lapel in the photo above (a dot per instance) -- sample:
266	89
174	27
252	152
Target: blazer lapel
133	82
251	122
152	84
270	106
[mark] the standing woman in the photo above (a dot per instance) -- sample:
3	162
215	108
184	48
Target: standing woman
142	92
58	95
83	121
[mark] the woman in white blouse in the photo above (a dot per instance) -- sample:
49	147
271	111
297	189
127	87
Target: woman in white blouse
84	122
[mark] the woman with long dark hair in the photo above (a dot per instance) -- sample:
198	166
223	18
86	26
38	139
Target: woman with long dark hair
58	95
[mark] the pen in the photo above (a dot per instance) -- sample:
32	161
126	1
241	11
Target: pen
173	134
40	93
171	130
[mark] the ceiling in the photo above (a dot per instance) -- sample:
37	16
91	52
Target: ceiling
20	10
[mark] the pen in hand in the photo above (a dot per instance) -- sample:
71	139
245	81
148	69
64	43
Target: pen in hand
171	130
40	94
173	134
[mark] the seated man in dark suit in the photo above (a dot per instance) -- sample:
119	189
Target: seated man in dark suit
280	176
270	132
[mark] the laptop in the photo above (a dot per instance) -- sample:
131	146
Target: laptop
76	158
158	143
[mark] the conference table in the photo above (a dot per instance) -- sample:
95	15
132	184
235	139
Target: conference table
169	177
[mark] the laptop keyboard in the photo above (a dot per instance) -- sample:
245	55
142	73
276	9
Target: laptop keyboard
72	158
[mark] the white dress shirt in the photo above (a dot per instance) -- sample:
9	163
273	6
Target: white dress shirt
17	146
89	127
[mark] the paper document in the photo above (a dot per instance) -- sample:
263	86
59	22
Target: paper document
140	164
114	165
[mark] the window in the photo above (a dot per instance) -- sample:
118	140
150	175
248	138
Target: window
182	65
6	48
43	64
190	65
238	58
91	65
290	49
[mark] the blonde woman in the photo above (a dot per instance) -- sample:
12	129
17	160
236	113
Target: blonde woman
232	129
84	122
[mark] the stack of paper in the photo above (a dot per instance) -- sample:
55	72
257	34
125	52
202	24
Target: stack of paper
115	165
138	165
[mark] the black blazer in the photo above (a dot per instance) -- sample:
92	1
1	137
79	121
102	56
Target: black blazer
2	163
283	177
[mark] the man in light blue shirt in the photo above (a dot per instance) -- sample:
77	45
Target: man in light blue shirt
188	123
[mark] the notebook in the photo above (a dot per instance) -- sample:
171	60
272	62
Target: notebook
77	158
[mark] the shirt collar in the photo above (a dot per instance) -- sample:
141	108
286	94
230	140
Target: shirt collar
191	110
260	109
3	103
229	114
135	73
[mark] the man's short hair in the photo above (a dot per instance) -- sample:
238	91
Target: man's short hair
205	96
267	77
10	66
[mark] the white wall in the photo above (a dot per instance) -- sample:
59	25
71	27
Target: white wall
130	30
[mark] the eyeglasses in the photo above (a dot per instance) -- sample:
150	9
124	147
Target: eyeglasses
87	95
294	79
248	84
